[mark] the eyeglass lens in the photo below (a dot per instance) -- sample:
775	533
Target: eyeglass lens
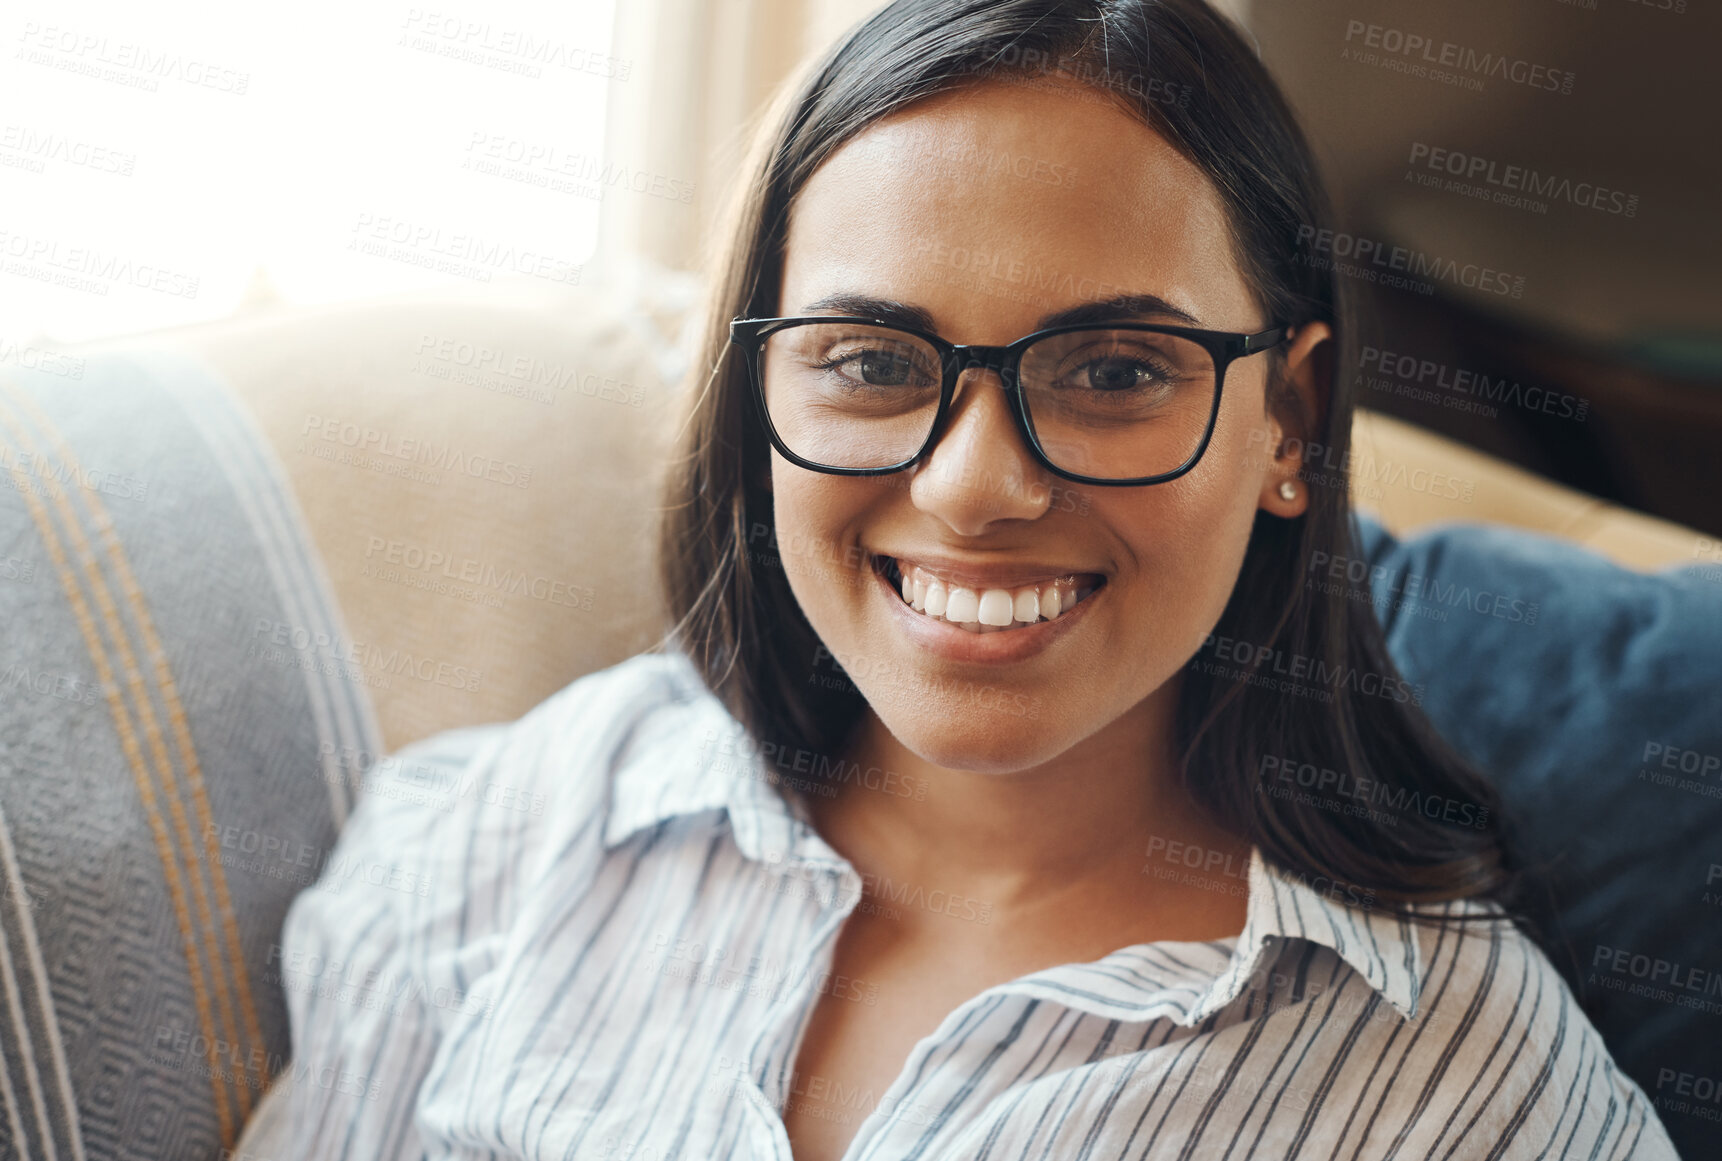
1104	402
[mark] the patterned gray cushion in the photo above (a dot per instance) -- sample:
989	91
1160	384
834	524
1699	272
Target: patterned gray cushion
179	744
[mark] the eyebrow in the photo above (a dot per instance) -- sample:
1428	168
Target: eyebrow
1118	308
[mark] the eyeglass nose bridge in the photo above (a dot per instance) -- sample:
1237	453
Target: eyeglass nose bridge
1001	360
968	358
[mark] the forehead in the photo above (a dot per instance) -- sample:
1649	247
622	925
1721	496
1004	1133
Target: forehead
1003	201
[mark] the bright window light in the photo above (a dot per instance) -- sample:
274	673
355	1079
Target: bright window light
162	164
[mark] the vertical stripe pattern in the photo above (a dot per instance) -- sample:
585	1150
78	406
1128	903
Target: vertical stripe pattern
624	927
144	705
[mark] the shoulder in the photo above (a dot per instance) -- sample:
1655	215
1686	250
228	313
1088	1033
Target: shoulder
450	831
560	752
453	841
1501	1045
592	716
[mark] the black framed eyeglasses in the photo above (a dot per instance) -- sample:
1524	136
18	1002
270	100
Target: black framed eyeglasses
1123	403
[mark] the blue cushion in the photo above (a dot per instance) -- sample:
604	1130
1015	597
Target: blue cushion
1593	697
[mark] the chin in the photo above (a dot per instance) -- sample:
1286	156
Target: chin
1001	740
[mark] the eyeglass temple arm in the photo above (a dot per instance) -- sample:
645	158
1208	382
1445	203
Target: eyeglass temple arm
1262	340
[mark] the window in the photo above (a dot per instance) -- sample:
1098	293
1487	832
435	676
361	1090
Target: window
162	164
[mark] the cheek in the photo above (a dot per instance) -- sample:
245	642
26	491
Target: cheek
1188	540
1243	445
813	518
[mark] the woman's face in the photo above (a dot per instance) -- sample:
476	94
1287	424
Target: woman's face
988	209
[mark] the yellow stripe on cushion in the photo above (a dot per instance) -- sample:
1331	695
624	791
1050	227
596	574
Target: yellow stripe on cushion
128	735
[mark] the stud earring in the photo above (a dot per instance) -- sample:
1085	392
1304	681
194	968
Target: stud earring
1288	490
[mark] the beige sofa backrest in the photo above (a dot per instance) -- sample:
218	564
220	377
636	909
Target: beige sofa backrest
481	478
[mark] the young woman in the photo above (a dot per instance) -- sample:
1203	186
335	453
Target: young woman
962	814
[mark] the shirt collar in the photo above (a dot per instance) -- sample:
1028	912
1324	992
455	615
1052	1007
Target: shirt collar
704	761
1284	904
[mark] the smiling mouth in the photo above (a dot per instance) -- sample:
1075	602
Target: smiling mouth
986	610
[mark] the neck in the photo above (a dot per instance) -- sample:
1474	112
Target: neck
1071	832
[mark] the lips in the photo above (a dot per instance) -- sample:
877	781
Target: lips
976	576
937	639
987	599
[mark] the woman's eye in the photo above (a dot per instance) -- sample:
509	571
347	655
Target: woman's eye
876	368
1118	374
884	369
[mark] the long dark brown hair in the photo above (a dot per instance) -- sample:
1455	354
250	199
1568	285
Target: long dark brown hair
1189	74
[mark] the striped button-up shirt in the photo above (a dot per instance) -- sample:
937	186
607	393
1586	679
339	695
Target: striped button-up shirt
599	932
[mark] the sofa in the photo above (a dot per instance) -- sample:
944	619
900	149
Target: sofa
244	562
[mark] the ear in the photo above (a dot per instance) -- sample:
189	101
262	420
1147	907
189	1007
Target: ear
1296	408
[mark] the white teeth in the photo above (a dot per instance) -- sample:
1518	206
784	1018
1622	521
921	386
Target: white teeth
963	606
990	610
995	608
935	599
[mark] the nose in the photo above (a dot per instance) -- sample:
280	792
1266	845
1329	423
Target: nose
980	471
